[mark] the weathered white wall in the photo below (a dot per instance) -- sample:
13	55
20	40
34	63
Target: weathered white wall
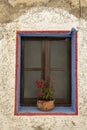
40	18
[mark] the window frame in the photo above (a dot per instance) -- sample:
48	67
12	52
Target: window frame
73	110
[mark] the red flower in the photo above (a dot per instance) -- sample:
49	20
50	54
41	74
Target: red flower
41	94
42	85
39	85
47	89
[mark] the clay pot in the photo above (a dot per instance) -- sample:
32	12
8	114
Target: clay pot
45	105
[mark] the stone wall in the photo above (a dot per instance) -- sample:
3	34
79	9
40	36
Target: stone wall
39	18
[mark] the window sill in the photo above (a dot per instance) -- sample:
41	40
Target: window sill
56	111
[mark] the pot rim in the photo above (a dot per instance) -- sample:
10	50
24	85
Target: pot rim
45	100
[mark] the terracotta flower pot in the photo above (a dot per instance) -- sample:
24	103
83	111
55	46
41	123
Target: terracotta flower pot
45	105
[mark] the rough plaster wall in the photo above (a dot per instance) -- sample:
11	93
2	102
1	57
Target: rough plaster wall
17	7
41	18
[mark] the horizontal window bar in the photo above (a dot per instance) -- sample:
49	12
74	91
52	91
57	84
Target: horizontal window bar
32	69
39	69
57	69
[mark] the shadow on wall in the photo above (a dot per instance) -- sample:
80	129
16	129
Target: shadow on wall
40	128
11	10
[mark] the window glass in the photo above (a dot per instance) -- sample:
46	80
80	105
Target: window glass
59	54
32	54
30	88
60	83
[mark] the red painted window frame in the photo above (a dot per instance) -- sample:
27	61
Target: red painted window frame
16	75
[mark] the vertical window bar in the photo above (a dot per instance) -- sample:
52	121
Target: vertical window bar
47	60
43	61
22	72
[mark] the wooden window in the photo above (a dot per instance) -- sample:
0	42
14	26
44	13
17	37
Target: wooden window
44	58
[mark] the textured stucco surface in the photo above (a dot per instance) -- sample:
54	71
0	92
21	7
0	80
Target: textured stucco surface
40	18
11	9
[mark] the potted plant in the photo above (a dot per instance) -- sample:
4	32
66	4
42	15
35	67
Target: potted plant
45	100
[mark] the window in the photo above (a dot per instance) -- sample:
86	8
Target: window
44	55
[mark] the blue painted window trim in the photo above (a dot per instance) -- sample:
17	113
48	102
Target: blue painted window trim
57	110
